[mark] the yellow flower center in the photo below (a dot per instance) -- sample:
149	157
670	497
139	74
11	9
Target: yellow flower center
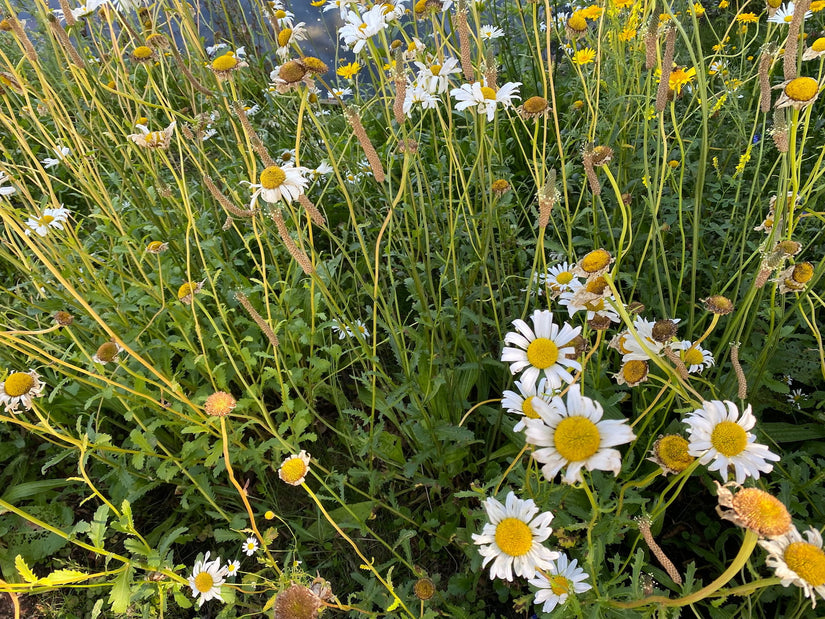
672	452
803	272
622	348
559	585
293	469
272	177
280	14
219	404
634	371
774	4
488	93
788	19
527	408
807	561
693	356
535	105
186	289
597	285
142	53
435	69
315	64
595	261
420	6
500	185
45	220
18	383
514	537
153	138
564	278
802	89
284	36
154	246
227	62
577	438
819	45
292	72
542	353
729	438
762	512
204	582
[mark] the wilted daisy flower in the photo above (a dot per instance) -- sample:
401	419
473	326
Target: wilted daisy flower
484	98
107	353
488	33
578	298
143	54
323	169
51	218
534	107
6	191
434	77
721	438
816	49
521	403
512	538
670	452
640	347
206	579
565	578
288	36
213	49
297	602
232	568
632	373
695	358
358	29
593	264
219	404
795	277
575	436
294	469
188	290
798	93
223	66
250	546
544	350
798	561
19	388
753	509
278	183
157	247
51	162
153	139
784	15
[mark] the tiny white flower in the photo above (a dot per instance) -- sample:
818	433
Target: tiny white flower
206	579
488	33
416	95
232	568
565	578
6	191
250	546
50	162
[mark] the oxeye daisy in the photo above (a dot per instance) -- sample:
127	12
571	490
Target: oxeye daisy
153	139
288	36
278	183
753	509
521	403
816	49
358	29
512	538
560	278
484	98
19	388
206	579
670	452
250	546
294	469
434	77
784	14
798	561
564	578
488	33
232	568
6	191
798	93
695	358
545	348
574	435
51	218
578	299
720	437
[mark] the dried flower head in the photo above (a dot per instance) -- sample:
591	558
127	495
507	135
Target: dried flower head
143	54
632	373
153	139
223	66
297	602
499	187
717	304
156	247
220	404
188	290
294	469
534	107
19	388
664	330
424	588
753	509
671	453
593	264
63	318
798	93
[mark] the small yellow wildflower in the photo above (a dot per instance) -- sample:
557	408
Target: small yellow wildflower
623	4
627	34
584	56
723	4
747	18
817	5
348	71
698	9
592	12
679	78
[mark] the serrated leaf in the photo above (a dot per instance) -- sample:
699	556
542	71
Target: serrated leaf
126	519
24	570
61	577
120	594
98	526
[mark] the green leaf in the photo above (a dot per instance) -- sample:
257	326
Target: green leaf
62	577
126	519
120	594
24	570
98	527
97	608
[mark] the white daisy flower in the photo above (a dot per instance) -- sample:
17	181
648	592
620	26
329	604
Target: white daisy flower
637	348
294	469
575	436
594	307
206	579
323	169
434	77
358	29
279	183
721	438
153	139
784	14
566	578
393	9
695	358
341	93
250	546
284	18
232	568
522	403
84	10
19	388
6	191
213	49
795	397
288	36
417	95
559	278
798	561
512	538
484	98
545	350
488	33
51	162
342	6
51	218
